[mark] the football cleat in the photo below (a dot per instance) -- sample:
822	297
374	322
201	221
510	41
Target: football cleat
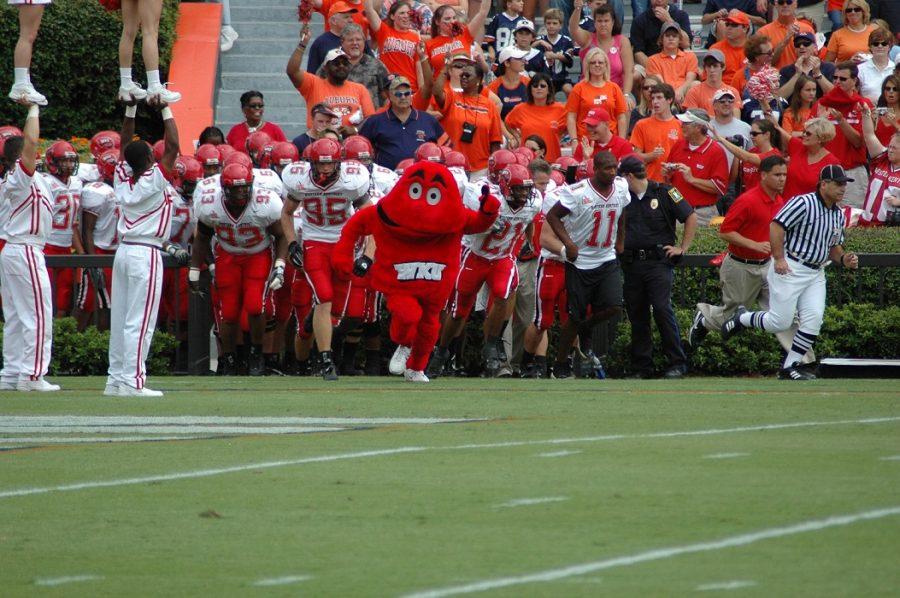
438	360
415	376
111	390
8	385
130	391
697	332
39	385
795	373
166	96
132	92
397	365
27	94
733	325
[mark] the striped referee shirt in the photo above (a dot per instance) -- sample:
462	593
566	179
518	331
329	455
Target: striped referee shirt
811	228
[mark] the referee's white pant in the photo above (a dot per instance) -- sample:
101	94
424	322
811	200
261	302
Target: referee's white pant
801	292
27	311
136	288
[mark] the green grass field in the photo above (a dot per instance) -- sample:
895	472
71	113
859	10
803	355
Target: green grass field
539	488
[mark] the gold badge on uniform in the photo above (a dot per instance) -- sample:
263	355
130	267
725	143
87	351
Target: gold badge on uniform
654	203
675	194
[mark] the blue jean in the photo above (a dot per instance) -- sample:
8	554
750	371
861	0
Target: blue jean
837	19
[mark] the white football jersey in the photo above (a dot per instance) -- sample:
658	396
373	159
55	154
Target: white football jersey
326	209
66	198
550	199
99	199
30	209
263	178
593	220
500	240
182	223
461	178
245	234
145	205
88	173
383	180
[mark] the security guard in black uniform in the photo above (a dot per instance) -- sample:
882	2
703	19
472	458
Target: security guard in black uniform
650	252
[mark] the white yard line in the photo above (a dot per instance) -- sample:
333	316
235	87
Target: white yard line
558	454
210	429
58	581
891	458
418	449
524	502
726	455
658	554
281	581
189	420
725	585
82	440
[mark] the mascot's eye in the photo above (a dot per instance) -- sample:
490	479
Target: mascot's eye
433	196
415	190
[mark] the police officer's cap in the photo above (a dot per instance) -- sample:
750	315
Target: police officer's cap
631	164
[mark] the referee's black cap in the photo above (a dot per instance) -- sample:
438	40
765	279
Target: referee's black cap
833	172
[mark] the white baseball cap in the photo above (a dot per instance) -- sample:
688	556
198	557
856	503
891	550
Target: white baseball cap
333	54
511	52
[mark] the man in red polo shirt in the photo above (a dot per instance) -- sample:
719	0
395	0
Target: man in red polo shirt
600	137
743	272
698	166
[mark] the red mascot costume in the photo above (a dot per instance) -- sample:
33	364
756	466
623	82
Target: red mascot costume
418	229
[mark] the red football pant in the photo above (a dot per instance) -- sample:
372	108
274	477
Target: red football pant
327	285
62	280
501	276
301	299
174	281
241	282
415	323
550	293
279	307
87	295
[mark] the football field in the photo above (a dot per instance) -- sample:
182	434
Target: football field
374	487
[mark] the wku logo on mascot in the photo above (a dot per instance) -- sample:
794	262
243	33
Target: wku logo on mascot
418	229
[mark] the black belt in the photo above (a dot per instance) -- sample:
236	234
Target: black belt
809	265
749	262
643	254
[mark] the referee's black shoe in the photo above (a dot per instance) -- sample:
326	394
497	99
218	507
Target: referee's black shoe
795	373
733	325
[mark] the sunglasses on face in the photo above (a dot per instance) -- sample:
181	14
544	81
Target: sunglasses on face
784	2
755	133
256	106
540	86
853	9
839	78
647	87
402	94
803	44
880	44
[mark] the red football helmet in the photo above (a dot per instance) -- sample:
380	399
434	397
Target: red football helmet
225	150
105	140
282	154
210	159
237	182
498	161
445	150
325	157
403	165
516	184
357	147
563	162
558	177
62	160
159	148
106	164
10	131
429	152
237	158
585	170
456	159
525	151
189	171
256	145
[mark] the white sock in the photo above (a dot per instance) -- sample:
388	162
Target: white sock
153	78
21	76
125	76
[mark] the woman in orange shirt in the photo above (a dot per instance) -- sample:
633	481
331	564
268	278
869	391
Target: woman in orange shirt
449	35
396	40
540	114
596	90
853	37
796	115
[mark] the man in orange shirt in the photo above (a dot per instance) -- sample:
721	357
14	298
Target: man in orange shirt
701	96
350	100
676	67
781	33
737	28
653	137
